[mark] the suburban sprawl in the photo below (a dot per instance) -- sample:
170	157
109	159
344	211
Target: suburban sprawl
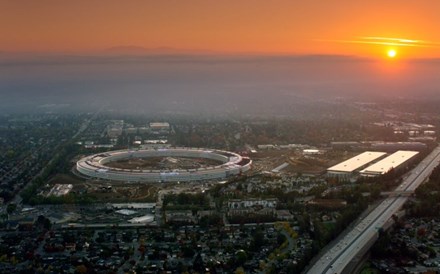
107	192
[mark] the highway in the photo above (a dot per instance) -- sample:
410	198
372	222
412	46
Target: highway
359	239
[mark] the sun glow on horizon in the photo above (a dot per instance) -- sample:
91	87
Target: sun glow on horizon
391	53
387	47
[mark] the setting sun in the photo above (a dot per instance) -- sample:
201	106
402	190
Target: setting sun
391	53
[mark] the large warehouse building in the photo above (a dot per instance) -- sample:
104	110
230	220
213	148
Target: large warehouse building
351	165
394	161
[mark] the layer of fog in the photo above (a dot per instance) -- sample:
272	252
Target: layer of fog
190	84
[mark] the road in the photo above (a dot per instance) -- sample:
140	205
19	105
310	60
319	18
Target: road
17	199
360	238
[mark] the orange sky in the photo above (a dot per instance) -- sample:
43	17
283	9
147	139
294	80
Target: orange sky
299	27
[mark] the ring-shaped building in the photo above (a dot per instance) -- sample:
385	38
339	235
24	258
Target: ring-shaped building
230	164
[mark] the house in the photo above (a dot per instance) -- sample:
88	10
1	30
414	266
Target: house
252	202
184	216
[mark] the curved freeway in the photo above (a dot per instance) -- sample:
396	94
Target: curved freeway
363	235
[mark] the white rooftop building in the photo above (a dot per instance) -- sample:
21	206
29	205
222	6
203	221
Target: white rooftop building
357	162
312	151
159	125
393	161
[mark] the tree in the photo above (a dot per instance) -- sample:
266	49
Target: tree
43	222
11	208
81	269
240	257
239	270
257	240
380	248
281	238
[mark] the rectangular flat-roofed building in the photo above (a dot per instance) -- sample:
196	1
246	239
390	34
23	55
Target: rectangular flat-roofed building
357	162
394	161
160	126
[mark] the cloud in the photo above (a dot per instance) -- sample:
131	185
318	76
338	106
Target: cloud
387	41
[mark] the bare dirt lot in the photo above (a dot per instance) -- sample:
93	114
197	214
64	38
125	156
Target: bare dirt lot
267	160
151	163
105	191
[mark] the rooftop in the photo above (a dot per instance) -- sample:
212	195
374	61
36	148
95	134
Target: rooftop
390	162
357	161
159	124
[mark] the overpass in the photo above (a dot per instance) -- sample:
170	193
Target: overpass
343	256
397	193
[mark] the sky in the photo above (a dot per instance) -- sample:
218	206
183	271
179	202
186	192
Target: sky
335	27
228	56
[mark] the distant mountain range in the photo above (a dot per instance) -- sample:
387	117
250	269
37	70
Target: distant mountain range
118	50
135	50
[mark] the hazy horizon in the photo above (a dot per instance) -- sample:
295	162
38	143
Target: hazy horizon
207	83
